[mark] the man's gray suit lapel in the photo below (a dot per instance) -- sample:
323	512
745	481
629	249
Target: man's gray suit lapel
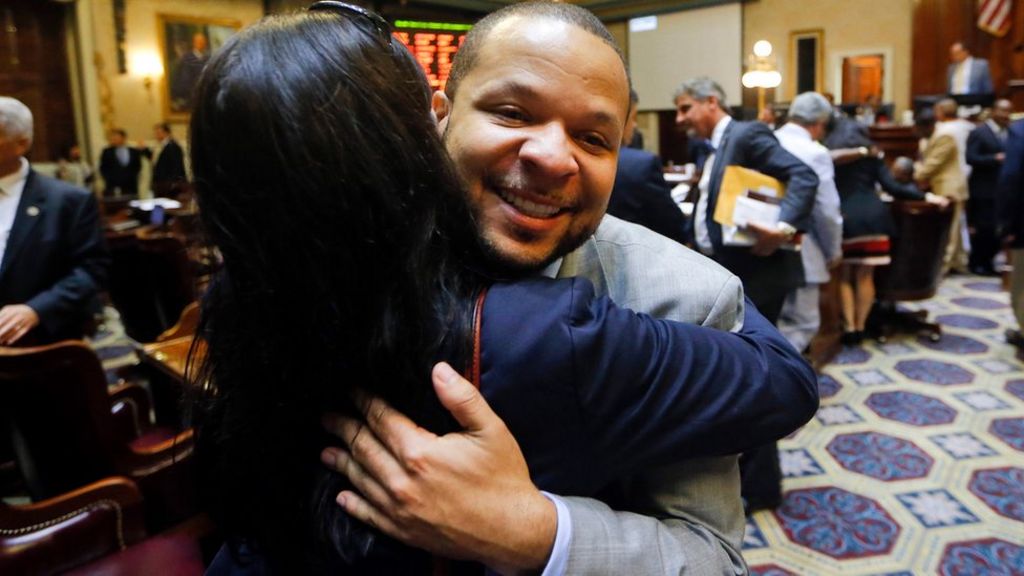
26	219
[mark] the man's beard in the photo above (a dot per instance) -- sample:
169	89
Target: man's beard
505	265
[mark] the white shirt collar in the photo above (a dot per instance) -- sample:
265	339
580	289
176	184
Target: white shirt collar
719	131
796	130
996	128
551	270
15	181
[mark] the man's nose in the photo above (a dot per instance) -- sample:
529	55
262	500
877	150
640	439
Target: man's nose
680	118
550	149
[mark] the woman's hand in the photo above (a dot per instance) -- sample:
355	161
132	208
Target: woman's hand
936	199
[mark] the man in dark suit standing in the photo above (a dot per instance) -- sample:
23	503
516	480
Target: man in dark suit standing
640	194
120	165
168	161
985	153
967	74
768	272
54	259
1010	209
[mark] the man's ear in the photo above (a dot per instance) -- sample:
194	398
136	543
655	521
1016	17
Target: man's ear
441	108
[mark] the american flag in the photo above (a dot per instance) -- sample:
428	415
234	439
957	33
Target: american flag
994	16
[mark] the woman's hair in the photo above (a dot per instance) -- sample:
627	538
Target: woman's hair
322	179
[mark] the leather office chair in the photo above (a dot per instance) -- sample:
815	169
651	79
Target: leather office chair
922	231
64	435
95	529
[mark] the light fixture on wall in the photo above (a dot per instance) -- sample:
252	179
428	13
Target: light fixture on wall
761	71
147	65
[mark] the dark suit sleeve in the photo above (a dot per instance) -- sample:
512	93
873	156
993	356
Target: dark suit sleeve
986	77
977	153
890	185
766	155
1011	183
655	391
663	215
89	262
107	165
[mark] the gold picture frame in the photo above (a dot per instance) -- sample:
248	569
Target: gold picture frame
798	44
186	43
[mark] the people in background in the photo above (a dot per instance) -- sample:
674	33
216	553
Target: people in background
867	223
821	249
1010	210
939	170
769	271
640	194
54	259
985	153
120	165
967	74
280	318
72	168
168	161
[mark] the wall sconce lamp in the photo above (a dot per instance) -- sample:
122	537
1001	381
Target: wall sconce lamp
147	65
761	72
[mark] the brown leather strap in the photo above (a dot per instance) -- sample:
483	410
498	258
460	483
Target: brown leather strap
478	317
442	566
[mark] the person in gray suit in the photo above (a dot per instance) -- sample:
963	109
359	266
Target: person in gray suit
967	74
524	138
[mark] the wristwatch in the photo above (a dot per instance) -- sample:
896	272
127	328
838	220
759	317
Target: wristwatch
787	229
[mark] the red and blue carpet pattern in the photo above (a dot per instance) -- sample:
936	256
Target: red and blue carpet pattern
915	461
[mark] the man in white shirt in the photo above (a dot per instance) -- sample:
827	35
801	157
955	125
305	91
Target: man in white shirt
822	245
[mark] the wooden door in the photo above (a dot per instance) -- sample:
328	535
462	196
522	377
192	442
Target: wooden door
34	69
862	78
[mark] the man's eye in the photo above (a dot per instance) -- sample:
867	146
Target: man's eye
597	141
511	114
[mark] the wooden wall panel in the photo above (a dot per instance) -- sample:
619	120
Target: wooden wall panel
939	23
34	69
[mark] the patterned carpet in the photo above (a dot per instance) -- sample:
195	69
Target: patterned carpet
915	461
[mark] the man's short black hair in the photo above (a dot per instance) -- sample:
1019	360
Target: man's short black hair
163	126
465	58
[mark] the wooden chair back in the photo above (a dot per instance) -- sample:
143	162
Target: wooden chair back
55	402
922	232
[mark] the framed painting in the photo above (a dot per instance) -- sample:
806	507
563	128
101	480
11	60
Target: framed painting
186	43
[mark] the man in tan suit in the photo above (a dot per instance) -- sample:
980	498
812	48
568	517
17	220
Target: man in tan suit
939	169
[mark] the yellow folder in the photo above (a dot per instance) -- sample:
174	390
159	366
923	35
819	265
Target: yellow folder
735	182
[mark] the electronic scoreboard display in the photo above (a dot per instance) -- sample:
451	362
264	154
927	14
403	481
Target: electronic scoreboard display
434	45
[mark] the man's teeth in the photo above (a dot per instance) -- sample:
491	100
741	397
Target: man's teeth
529	208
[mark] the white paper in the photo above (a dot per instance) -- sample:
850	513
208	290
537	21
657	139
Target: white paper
749	211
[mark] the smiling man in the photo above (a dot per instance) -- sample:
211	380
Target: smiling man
533	116
536	152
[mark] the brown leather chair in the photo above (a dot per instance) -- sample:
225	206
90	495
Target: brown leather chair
922	231
57	406
96	529
152	279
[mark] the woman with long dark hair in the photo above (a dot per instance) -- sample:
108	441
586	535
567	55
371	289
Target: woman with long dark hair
351	263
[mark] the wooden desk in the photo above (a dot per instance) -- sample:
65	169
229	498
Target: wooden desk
164	363
170	356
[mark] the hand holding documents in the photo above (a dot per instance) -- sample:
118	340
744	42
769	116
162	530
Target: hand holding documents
745	198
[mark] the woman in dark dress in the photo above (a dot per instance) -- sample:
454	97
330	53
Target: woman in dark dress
867	221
